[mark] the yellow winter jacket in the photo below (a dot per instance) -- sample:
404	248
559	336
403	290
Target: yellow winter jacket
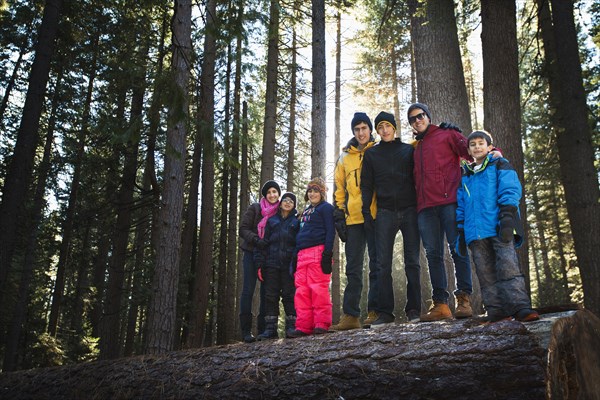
347	182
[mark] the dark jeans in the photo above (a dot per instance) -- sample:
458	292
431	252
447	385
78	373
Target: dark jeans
387	225
355	254
250	278
434	222
278	284
502	283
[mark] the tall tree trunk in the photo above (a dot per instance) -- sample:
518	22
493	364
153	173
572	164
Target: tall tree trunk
318	132
575	150
11	346
267	170
543	295
336	297
203	265
9	87
244	198
395	89
440	77
560	244
163	304
223	331
110	343
501	95
67	228
18	176
232	260
291	183
438	64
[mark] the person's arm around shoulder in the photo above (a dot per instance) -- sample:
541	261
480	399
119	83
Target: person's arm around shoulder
458	143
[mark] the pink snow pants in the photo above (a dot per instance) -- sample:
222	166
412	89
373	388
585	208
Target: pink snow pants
312	299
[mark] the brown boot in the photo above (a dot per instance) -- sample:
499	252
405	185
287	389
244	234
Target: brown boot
463	306
371	317
346	323
437	312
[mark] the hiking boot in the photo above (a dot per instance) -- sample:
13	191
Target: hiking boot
290	324
371	317
437	312
526	315
320	331
490	319
346	323
296	334
413	316
246	327
270	329
463	306
383	320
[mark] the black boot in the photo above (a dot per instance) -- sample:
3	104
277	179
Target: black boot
290	324
246	328
271	328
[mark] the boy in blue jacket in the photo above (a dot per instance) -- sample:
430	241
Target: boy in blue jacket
273	263
489	224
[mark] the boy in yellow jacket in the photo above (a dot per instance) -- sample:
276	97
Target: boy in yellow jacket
351	226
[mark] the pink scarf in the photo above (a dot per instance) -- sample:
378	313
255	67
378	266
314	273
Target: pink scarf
267	210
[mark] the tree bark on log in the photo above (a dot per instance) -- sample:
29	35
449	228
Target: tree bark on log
441	360
574	358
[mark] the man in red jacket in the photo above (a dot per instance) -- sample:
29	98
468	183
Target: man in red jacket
438	151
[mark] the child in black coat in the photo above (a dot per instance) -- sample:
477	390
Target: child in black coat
273	263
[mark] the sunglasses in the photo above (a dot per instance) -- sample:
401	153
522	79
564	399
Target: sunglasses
414	118
287	200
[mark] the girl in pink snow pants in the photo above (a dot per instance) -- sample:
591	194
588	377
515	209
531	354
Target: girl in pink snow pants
312	263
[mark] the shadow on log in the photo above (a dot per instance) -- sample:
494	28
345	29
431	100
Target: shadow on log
442	360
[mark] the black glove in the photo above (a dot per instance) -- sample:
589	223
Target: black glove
293	264
507	225
369	222
449	125
461	243
262	244
339	219
326	262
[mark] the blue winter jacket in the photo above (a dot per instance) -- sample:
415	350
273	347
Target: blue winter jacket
316	227
481	195
281	234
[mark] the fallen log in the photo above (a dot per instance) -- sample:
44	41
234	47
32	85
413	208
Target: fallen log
442	360
574	358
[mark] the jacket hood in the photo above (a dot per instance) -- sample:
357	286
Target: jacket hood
354	143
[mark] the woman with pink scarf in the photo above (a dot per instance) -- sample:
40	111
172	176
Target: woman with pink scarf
252	232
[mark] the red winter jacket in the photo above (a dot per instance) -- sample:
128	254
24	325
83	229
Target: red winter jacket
437	166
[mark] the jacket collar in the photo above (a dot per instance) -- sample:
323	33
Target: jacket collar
469	168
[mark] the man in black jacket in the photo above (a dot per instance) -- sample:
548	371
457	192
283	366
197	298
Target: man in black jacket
387	170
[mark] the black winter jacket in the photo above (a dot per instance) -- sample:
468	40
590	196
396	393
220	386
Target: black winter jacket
281	234
387	170
249	227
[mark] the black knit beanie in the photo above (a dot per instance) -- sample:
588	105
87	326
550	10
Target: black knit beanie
422	107
361	117
268	185
385	117
291	196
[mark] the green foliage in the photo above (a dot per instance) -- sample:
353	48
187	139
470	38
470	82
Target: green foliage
45	351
